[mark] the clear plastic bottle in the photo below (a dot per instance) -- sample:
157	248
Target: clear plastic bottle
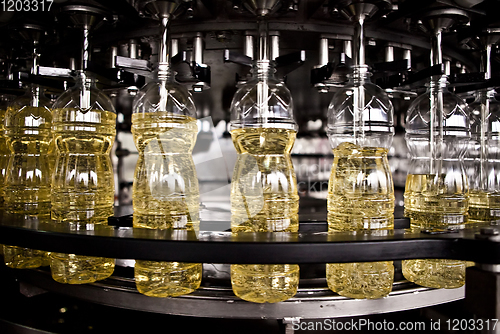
436	191
4	150
360	189
482	160
27	181
264	195
82	185
165	190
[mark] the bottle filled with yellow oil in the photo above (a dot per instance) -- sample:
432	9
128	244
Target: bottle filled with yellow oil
165	189
4	148
482	160
264	198
27	180
4	151
431	204
84	128
436	191
360	189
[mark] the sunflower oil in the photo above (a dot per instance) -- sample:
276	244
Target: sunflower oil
27	180
82	186
165	196
264	198
428	208
360	197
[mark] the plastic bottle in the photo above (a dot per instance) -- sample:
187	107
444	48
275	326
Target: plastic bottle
165	190
360	189
27	180
4	148
436	191
482	161
83	185
264	195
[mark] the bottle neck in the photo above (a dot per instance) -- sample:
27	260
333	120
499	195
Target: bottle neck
490	93
83	79
36	93
84	84
359	74
485	94
438	82
165	74
263	70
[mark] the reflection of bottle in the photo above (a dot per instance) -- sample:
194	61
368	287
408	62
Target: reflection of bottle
83	185
264	195
27	181
165	190
436	192
360	190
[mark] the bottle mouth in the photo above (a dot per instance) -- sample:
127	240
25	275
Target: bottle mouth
361	68
438	80
164	70
263	66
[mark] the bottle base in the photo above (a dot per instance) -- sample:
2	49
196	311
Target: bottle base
361	280
167	279
78	269
25	258
435	273
265	283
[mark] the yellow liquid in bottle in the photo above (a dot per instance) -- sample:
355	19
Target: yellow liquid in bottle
165	196
80	269
4	157
431	207
83	187
4	161
264	198
484	207
27	179
360	197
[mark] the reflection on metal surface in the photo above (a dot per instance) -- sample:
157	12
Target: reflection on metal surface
220	302
306	246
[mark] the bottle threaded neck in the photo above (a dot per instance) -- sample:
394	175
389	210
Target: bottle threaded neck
440	81
360	73
263	69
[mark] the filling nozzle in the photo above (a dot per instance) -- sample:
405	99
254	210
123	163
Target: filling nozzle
164	50
85	84
85	49
358	45
358	61
34	70
436	131
263	39
485	67
262	69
